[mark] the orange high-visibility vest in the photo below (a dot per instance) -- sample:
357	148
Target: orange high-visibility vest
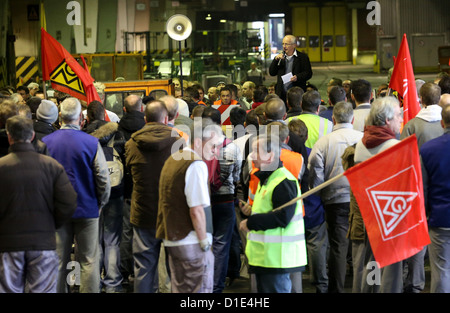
292	161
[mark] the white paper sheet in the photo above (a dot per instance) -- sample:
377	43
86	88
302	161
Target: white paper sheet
286	78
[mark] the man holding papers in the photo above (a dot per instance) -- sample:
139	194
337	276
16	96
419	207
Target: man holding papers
291	67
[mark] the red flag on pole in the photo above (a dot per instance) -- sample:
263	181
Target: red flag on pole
64	72
403	81
391	202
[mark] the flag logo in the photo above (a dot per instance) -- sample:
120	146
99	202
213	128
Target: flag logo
63	75
391	208
225	112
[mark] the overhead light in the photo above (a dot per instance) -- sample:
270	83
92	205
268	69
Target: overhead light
276	15
223	21
208	18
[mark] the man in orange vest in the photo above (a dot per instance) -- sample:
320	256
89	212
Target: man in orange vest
225	97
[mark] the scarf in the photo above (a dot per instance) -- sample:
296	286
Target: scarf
376	135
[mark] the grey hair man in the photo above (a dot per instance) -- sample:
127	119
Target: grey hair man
83	158
184	221
274	260
382	128
37	198
290	61
325	164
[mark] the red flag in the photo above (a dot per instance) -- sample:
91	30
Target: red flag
224	110
391	202
403	81
64	72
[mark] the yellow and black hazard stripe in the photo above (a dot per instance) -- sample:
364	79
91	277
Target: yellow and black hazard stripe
3	73
26	70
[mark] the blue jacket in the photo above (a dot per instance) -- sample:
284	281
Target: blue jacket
435	168
78	153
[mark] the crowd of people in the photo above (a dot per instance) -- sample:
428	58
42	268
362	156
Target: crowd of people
168	198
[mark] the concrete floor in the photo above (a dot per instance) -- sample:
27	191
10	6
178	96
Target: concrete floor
243	285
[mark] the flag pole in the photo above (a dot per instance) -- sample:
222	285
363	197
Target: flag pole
307	194
44	89
310	192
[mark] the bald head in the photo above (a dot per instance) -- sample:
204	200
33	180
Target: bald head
275	109
290	39
156	111
171	105
446	116
133	103
445	100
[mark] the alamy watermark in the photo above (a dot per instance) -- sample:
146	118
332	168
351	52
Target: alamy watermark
374	17
373	274
74	16
73	278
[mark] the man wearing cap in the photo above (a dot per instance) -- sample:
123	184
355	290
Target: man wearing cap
46	115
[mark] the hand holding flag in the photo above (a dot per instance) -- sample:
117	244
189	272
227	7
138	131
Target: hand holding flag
391	201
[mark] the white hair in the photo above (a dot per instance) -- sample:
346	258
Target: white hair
33	85
382	109
70	109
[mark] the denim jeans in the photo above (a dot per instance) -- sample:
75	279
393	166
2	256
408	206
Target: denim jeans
224	219
110	236
28	271
84	231
273	283
146	250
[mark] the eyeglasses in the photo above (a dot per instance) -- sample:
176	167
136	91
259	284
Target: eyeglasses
287	44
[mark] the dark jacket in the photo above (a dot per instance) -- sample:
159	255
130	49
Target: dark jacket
130	123
301	68
293	112
42	129
145	154
36	198
436	181
38	145
105	131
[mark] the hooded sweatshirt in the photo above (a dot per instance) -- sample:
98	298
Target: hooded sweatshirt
426	125
145	155
130	123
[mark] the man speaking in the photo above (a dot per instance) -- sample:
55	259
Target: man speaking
291	67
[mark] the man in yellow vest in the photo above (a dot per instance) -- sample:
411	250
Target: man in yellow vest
276	244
